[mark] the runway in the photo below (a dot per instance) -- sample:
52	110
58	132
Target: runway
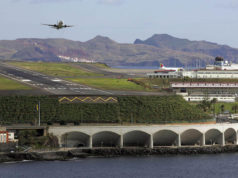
58	86
50	84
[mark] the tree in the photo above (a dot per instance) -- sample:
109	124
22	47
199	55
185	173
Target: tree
213	102
222	107
205	105
235	107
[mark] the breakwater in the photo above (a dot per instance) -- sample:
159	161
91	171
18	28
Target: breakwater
114	152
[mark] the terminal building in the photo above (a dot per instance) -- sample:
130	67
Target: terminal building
220	69
164	74
198	91
210	74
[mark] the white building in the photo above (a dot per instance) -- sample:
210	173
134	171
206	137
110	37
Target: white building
6	137
210	74
164	74
198	91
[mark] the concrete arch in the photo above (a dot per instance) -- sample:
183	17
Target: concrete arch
213	136
75	139
136	138
106	139
191	137
230	136
165	138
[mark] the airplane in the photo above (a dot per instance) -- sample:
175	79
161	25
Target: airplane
171	68
59	25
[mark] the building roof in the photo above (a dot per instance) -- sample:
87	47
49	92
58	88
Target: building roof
203	85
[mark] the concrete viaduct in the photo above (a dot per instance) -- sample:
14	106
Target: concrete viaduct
146	135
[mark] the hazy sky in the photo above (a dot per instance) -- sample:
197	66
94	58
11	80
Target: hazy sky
121	20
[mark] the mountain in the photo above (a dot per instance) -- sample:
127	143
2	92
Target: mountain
204	47
157	49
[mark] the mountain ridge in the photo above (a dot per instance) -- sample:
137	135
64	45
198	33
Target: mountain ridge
159	48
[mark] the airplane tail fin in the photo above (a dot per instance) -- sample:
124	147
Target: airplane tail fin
161	65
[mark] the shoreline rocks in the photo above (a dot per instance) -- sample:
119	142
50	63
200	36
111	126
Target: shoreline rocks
114	152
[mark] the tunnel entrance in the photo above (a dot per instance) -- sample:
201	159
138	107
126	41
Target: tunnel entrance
230	136
213	137
106	139
136	139
75	139
191	137
165	138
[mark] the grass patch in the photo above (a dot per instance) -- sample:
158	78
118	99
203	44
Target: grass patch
101	65
55	69
218	107
8	84
109	83
227	107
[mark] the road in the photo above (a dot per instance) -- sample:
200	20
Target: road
58	86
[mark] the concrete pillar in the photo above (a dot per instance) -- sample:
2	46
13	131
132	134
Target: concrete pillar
90	145
59	141
151	142
121	141
203	140
45	132
179	141
223	139
236	138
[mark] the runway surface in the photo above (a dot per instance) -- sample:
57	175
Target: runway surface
50	84
57	86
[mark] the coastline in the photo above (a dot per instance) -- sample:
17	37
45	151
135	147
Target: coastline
113	152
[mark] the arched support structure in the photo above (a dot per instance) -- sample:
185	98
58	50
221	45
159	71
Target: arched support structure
230	136
75	139
191	137
214	136
106	139
137	139
165	138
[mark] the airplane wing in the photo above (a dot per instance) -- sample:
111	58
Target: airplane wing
50	25
68	26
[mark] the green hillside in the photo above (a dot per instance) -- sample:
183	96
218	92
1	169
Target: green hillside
129	109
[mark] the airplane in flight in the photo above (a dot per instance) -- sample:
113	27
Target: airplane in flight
171	68
59	25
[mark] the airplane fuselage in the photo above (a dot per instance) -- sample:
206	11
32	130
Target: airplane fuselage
59	25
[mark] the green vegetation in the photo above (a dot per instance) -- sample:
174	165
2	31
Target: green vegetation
101	65
221	107
109	83
8	84
55	69
129	109
216	107
33	139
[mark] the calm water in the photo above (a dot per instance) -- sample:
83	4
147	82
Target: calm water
222	165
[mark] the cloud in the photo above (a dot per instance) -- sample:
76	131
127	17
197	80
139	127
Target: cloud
110	2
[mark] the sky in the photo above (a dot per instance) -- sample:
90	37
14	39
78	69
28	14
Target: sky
121	20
